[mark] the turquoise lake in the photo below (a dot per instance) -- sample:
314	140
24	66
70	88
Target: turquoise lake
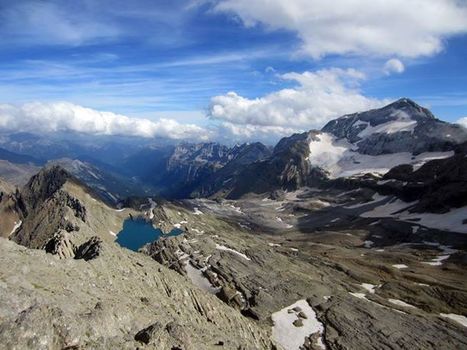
137	232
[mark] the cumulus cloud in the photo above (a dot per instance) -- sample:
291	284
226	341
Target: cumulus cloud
463	122
42	117
404	28
319	97
230	132
393	66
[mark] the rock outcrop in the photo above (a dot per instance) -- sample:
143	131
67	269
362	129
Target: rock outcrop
121	300
90	249
61	245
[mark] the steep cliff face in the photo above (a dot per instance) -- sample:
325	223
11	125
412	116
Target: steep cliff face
286	168
242	156
195	169
189	164
438	185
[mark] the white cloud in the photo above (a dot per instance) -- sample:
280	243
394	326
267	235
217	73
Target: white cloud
230	133
42	117
319	97
463	122
405	28
49	23
393	66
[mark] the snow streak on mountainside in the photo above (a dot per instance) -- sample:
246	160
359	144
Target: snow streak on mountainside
339	158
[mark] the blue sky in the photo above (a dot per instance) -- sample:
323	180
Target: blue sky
171	59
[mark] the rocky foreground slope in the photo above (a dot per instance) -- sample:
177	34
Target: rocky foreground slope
80	290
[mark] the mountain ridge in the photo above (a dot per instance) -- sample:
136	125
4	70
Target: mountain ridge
407	134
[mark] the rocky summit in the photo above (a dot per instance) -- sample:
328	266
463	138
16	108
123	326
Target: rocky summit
349	237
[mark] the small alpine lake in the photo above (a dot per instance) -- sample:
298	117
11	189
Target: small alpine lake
138	232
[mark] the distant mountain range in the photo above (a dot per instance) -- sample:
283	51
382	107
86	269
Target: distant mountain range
371	142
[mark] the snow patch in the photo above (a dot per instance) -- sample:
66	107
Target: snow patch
197	211
402	123
16	227
196	276
401	303
224	248
358	295
458	318
375	199
387	209
291	337
446	253
326	152
237	209
370	287
400	266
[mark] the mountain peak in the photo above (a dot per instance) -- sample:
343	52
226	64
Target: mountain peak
42	185
409	106
405	101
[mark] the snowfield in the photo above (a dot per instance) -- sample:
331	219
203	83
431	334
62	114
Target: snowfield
450	221
402	123
340	158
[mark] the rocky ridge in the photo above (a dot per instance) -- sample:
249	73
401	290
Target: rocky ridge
120	299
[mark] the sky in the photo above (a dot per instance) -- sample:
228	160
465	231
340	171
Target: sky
225	70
